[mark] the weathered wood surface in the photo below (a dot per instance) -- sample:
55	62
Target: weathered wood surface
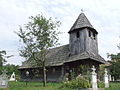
83	43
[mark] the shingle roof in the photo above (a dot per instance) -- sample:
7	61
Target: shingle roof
86	55
60	55
82	22
55	57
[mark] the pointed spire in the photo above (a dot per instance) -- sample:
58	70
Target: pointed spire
81	22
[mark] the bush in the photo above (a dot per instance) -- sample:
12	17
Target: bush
77	83
101	84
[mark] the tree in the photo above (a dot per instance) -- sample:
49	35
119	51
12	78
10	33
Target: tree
2	59
10	68
115	64
38	35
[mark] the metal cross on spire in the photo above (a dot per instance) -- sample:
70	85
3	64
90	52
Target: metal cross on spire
81	10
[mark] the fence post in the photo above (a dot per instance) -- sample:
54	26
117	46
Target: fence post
94	79
106	81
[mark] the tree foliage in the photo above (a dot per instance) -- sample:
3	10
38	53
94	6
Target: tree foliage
10	68
38	35
115	57
115	64
2	59
115	69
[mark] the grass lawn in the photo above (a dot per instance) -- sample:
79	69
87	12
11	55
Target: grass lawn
114	86
34	86
50	86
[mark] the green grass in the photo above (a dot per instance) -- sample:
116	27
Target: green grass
114	86
50	86
34	86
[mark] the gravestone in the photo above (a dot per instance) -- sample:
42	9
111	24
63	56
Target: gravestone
94	79
113	79
110	78
3	80
106	80
12	78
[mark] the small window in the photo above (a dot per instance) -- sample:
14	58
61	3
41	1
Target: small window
89	34
94	35
78	34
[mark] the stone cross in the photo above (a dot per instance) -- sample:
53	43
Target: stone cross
106	80
94	79
12	78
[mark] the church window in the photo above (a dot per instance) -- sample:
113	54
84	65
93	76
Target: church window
78	34
94	35
89	34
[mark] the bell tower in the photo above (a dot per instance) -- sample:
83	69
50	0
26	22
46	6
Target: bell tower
83	37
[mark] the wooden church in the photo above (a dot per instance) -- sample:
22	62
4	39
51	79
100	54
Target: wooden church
81	50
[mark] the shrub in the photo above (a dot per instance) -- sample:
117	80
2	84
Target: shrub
101	84
77	83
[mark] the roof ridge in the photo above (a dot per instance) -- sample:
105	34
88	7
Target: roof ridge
58	47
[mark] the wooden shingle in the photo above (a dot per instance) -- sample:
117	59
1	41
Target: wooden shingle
81	22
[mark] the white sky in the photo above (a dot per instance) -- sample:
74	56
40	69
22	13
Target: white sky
104	15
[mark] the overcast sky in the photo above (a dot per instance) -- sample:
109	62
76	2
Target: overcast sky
104	15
